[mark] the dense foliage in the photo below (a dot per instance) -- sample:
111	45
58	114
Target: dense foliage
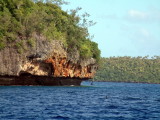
20	20
129	69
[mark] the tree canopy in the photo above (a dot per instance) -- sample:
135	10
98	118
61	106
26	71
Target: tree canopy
129	69
20	19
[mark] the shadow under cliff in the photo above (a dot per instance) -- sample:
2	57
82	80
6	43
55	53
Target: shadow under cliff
28	80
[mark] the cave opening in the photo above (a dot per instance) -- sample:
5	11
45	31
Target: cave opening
23	73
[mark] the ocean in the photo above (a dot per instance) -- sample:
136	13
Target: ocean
100	101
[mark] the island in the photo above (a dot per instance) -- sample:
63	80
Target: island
40	44
129	69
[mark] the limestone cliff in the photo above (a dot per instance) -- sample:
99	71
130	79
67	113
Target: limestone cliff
49	59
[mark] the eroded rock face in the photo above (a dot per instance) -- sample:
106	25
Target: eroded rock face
58	65
37	68
50	59
64	68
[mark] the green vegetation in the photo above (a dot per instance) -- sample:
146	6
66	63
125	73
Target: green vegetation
21	20
129	69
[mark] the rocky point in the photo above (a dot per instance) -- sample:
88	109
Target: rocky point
49	63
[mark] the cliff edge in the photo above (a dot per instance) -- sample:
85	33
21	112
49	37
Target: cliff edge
48	60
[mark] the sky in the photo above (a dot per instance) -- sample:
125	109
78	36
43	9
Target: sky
124	27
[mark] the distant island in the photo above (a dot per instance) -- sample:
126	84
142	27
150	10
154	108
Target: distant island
40	44
129	69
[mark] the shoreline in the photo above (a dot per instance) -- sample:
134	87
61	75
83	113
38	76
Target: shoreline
124	82
39	81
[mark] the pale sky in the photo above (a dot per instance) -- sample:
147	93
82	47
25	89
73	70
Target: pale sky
124	27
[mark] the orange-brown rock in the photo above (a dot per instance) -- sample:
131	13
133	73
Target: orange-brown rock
59	66
49	59
64	68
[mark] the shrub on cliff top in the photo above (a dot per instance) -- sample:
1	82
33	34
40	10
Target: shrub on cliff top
19	19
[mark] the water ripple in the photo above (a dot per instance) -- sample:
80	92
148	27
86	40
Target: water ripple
104	101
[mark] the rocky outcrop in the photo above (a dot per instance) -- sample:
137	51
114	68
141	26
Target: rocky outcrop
47	59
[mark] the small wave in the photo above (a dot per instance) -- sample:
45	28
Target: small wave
71	92
135	109
61	117
132	98
158	100
112	107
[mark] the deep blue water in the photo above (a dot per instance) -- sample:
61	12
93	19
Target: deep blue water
102	101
